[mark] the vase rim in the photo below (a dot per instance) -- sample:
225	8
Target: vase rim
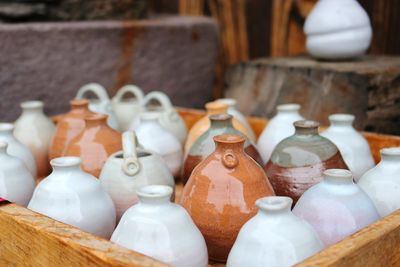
274	203
32	104
220	117
229	138
6	126
288	107
215	105
66	161
338	173
79	103
390	151
306	124
341	117
231	102
154	191
96	117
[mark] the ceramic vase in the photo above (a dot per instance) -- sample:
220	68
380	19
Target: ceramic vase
130	169
100	104
74	197
278	128
17	183
16	148
156	138
161	230
352	145
298	162
69	126
204	145
275	237
338	29
95	144
336	207
127	109
35	130
220	194
382	183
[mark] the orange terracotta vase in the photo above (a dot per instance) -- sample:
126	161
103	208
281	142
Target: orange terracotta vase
221	193
68	127
95	144
202	125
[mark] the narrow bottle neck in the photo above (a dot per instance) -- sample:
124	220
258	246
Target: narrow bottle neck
234	143
154	195
225	122
274	205
306	131
66	164
338	176
6	130
390	156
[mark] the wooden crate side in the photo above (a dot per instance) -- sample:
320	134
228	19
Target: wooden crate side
30	239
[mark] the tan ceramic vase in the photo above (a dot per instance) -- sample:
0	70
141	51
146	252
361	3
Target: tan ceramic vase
95	144
221	193
68	127
202	125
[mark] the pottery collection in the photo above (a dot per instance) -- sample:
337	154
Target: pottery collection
162	230
74	197
336	207
35	130
352	145
275	237
298	161
382	183
128	170
221	192
278	128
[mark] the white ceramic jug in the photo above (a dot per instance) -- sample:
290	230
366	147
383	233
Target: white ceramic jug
16	182
101	104
127	110
382	183
161	230
35	130
74	197
337	29
128	170
277	129
352	145
275	237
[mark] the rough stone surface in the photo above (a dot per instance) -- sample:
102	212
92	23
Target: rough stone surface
50	61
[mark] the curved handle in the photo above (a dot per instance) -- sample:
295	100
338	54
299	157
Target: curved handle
96	88
130	164
133	89
162	98
229	159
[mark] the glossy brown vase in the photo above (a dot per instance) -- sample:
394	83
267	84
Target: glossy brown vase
220	194
68	127
95	144
298	162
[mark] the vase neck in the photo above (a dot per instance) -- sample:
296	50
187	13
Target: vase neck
390	156
338	176
274	205
6	129
66	164
306	128
234	143
154	194
231	102
288	110
32	107
341	121
216	108
79	105
220	121
94	120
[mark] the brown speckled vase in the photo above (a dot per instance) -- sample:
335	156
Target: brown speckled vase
220	194
204	145
68	127
95	144
298	162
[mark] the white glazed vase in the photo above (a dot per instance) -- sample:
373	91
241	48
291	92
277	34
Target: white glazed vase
16	182
275	237
128	170
127	110
351	144
277	129
336	207
337	29
74	197
35	130
154	137
382	183
101	104
16	148
161	229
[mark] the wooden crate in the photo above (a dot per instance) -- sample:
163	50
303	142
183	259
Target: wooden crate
31	239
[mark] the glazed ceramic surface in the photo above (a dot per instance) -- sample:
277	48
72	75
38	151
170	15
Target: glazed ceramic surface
69	126
382	183
204	145
95	144
352	145
127	109
130	169
298	162
275	237
156	138
35	130
101	104
16	182
338	29
161	229
221	193
74	197
278	128
16	148
336	207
